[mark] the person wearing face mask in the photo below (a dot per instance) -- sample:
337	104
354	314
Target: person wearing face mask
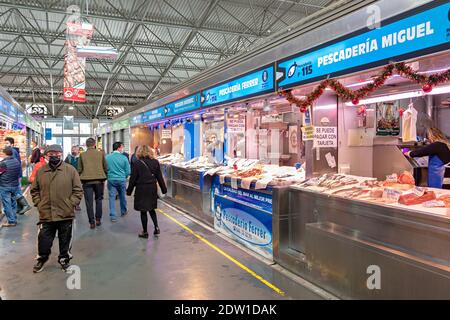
22	204
56	191
118	172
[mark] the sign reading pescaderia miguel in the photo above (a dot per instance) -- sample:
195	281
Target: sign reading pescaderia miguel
423	30
251	84
78	33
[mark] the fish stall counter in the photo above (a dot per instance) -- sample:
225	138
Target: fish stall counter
245	201
166	162
191	188
360	238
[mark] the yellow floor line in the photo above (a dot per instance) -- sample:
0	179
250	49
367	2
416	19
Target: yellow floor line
226	255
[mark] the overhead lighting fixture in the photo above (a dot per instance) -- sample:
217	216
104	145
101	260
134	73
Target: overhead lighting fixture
71	108
399	96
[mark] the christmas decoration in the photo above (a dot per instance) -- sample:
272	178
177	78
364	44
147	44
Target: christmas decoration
427	82
427	88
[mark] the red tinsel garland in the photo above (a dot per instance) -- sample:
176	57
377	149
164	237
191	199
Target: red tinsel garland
355	95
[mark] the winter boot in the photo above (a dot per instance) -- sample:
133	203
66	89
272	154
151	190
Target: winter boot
23	205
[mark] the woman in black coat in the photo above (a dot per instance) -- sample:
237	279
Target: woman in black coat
145	174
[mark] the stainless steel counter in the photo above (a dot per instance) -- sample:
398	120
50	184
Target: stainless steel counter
191	192
336	242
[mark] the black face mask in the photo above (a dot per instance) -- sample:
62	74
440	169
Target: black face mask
54	161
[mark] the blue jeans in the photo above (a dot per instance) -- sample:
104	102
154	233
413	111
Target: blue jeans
8	195
113	188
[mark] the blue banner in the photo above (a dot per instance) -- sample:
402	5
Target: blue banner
397	39
2	105
255	83
183	105
48	134
249	226
152	115
136	119
21	117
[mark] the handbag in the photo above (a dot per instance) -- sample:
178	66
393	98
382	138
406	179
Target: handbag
158	189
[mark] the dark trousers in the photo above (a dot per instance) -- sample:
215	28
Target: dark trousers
46	235
144	219
89	191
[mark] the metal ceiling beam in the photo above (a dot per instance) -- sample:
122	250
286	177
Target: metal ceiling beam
158	21
128	63
111	41
204	16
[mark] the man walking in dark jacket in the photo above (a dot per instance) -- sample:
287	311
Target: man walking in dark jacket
9	174
56	191
22	203
93	170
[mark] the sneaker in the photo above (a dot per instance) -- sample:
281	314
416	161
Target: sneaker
9	225
98	223
143	235
157	231
92	225
113	220
39	266
124	214
64	265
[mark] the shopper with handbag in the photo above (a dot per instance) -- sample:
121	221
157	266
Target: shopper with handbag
145	176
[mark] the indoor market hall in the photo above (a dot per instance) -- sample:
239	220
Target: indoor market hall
246	157
186	261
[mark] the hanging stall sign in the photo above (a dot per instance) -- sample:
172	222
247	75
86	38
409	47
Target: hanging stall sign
236	125
254	83
183	105
97	52
48	134
325	137
152	115
21	117
136	120
398	38
78	33
68	122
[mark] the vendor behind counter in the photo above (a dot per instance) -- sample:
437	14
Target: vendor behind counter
438	152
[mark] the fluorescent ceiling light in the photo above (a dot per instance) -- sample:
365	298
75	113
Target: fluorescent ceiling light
403	95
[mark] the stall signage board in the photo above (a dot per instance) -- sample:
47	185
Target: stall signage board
236	125
21	118
325	137
254	83
183	105
48	134
166	134
307	133
2	105
152	115
399	38
136	119
116	126
124	124
246	220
